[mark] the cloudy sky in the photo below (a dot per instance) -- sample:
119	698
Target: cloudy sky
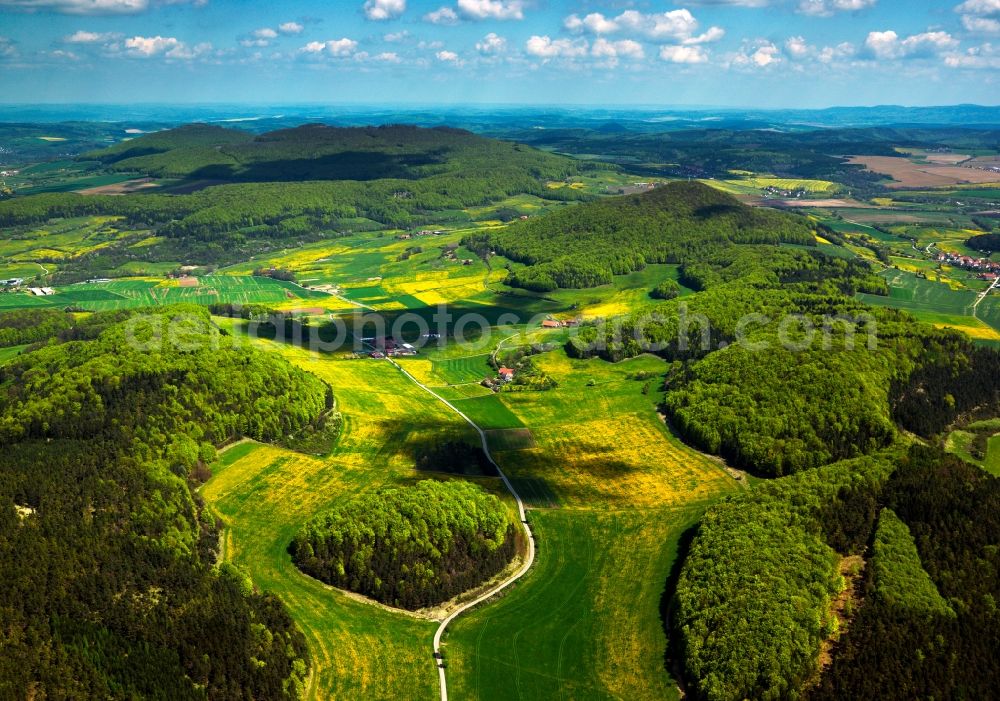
752	53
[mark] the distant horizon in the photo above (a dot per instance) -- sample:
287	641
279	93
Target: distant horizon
693	107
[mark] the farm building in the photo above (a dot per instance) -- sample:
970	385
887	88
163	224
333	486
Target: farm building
551	324
506	374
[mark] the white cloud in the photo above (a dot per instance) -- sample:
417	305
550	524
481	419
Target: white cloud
491	44
168	47
595	23
396	36
797	47
829	54
381	10
756	54
388	57
265	33
84	37
59	53
675	25
712	35
981	25
826	8
979	7
290	28
732	3
888	45
683	54
151	46
443	15
491	9
627	48
978	57
447	56
337	48
547	48
92	7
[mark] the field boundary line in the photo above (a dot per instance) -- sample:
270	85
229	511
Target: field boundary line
524	525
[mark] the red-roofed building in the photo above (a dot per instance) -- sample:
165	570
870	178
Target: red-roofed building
551	324
506	374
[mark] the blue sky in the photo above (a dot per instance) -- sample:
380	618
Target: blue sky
741	53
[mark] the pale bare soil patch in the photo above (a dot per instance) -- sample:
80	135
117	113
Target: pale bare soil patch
853	204
123	188
906	173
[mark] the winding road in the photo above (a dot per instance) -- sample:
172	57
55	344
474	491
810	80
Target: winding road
524	524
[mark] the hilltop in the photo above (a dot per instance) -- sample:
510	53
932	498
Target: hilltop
321	152
585	246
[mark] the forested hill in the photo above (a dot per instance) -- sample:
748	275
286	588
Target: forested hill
678	222
320	152
110	589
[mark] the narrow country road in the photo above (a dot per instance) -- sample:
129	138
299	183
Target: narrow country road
982	295
524	524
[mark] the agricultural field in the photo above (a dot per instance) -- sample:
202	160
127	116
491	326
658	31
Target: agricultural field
584	623
911	173
140	292
752	184
62	240
609	498
940	304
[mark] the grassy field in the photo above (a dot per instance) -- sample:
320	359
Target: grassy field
140	292
265	494
939	304
960	443
9	353
609	491
585	623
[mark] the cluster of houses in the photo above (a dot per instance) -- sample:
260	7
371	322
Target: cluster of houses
389	348
988	269
41	291
560	323
772	191
633	189
8	173
423	232
12	282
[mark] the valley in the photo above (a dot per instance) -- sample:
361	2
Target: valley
598	318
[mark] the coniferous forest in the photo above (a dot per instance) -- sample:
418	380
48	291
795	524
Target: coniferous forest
110	585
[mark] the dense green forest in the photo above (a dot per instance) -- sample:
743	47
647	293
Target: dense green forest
678	222
752	602
320	152
110	584
410	546
764	567
25	326
984	242
931	632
